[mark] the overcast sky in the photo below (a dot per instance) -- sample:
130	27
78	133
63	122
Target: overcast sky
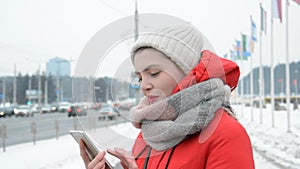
33	31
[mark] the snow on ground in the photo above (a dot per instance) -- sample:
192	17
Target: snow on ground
64	152
274	147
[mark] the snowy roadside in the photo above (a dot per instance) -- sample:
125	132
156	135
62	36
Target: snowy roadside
274	148
274	144
62	153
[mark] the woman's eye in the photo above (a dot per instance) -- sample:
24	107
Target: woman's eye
155	74
139	79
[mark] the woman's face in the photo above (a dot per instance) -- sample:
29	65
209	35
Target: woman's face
158	75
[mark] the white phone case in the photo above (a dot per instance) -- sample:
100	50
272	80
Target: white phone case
92	148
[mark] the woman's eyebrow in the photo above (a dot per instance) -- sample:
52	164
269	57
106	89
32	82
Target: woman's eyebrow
148	67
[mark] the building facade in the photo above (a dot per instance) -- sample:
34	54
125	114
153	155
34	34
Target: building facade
58	67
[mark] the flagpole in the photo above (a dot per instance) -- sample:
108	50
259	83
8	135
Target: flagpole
251	87
15	86
251	73
242	79
261	81
260	78
287	69
272	69
242	86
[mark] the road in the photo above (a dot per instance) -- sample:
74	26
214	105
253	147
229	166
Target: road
49	125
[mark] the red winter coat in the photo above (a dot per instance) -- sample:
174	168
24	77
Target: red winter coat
224	144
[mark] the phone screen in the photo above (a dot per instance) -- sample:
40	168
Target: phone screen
92	148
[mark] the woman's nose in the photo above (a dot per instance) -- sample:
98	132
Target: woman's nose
146	85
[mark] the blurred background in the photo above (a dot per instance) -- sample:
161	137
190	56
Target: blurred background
42	98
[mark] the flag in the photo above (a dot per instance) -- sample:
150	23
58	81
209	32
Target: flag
263	19
252	45
238	49
277	9
253	31
297	1
253	34
295	82
246	46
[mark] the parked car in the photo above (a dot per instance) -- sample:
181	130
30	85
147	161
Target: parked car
76	111
54	107
108	112
6	111
279	106
35	109
23	110
46	109
63	107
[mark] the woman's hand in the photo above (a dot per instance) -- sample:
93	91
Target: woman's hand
97	163
127	161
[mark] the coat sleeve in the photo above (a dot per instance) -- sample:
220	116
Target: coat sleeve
231	148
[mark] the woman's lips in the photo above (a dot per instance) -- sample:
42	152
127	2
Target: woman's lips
152	99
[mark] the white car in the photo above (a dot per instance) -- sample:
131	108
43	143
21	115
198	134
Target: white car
63	107
108	112
46	109
23	110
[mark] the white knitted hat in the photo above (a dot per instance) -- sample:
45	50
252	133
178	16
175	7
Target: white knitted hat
182	44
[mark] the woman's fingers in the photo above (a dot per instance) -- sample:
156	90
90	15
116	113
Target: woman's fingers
125	157
98	162
83	153
100	165
118	153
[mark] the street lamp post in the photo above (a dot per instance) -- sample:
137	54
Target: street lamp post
15	86
39	88
29	88
3	91
46	92
281	93
57	89
296	87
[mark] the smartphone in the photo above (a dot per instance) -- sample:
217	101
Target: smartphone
91	146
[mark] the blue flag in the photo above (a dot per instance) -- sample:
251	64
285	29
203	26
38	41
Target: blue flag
253	31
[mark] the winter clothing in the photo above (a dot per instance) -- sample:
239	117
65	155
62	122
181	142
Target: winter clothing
211	66
169	121
223	144
183	44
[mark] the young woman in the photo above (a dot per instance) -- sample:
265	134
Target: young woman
185	118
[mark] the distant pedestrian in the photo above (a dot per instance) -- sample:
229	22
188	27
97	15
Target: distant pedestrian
295	104
185	118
